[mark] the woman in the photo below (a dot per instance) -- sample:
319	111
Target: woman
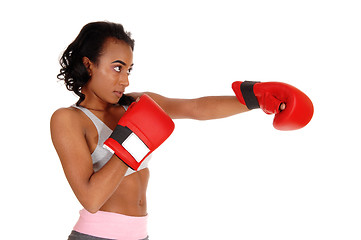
96	67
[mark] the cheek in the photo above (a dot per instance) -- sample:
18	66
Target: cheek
105	76
101	72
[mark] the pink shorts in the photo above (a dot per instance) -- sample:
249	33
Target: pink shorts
111	225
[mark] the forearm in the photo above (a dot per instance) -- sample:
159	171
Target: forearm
103	183
214	107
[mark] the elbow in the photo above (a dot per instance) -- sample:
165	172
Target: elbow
200	115
195	111
201	109
91	205
92	211
91	208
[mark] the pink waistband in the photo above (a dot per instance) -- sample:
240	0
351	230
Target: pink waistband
112	225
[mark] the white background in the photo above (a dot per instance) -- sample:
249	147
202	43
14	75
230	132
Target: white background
234	178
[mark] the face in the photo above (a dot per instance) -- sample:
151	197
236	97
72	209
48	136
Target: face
109	77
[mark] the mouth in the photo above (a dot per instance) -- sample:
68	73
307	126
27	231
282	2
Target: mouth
119	94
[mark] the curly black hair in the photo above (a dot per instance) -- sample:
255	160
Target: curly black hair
89	43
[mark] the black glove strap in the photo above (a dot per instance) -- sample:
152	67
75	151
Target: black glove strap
248	95
120	133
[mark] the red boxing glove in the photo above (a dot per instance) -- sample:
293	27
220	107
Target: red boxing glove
141	130
270	95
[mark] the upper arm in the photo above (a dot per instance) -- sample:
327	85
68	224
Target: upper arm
176	108
68	137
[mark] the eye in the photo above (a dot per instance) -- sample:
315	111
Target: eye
129	71
118	68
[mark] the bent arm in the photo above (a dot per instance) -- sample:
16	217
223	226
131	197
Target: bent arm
91	189
203	108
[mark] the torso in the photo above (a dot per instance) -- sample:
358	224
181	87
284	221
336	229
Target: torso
130	196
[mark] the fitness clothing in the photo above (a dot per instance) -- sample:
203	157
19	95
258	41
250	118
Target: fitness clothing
108	225
101	156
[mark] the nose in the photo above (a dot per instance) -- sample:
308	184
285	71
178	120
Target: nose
124	80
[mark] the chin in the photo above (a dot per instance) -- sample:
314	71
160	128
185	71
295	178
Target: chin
115	102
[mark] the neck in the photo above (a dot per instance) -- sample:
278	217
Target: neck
93	102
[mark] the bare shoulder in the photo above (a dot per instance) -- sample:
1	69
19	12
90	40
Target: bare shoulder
65	116
161	100
68	133
174	107
66	121
64	113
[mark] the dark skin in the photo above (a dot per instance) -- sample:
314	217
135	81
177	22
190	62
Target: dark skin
75	136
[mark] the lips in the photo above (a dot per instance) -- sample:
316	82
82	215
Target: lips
119	94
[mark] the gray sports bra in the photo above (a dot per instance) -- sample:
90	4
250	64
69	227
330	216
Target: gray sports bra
101	156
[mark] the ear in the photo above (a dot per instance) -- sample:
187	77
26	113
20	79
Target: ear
88	64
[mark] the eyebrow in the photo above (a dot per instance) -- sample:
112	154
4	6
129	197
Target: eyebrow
121	62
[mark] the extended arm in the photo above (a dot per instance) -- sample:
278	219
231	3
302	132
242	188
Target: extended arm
292	108
203	108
